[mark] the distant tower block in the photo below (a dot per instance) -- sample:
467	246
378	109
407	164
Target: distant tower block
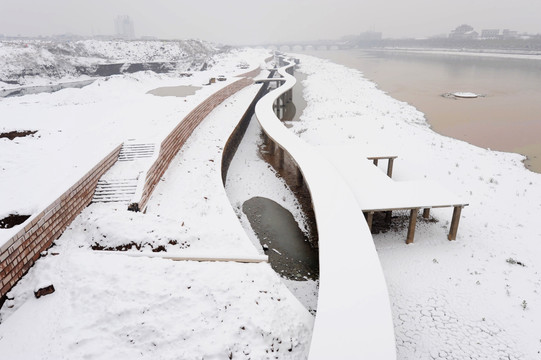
124	27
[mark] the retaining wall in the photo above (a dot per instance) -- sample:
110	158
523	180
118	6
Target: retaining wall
236	136
172	144
20	252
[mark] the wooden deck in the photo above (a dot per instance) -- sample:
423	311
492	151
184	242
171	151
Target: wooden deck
376	191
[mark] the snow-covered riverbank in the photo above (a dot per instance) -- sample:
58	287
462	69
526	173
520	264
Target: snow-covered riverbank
455	299
450	300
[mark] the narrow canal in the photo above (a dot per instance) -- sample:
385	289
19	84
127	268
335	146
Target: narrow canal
271	213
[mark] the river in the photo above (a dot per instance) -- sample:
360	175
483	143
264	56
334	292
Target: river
507	117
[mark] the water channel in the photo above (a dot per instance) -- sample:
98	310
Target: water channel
507	117
266	209
27	90
289	252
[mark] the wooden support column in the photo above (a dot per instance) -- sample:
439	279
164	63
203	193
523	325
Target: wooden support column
411	227
426	213
454	223
369	219
375	162
388	217
390	168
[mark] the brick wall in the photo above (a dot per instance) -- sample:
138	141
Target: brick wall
20	252
172	144
236	136
23	249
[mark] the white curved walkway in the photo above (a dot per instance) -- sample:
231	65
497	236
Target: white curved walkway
354	315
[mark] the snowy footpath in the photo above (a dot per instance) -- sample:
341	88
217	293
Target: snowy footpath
478	297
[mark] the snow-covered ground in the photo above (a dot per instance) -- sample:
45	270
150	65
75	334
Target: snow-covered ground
453	300
470	298
112	305
76	128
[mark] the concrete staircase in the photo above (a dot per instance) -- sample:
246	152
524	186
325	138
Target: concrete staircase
131	152
115	191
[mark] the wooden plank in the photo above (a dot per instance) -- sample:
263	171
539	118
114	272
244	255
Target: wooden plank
454	223
411	227
418	206
382	157
426	213
201	258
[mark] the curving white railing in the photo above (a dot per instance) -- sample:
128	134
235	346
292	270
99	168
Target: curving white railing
353	318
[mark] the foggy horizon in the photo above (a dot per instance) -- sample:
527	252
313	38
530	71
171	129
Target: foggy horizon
247	22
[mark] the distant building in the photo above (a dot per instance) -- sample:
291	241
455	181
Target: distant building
370	36
124	27
508	34
490	34
464	32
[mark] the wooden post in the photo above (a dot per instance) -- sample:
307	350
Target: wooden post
375	162
426	213
388	217
454	223
390	168
369	218
411	227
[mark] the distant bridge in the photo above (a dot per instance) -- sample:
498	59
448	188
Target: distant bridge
307	46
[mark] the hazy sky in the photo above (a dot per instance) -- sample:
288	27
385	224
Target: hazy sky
255	21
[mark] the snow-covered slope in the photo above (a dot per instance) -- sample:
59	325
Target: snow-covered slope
25	62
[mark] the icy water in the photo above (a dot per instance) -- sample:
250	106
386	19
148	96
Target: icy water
506	118
295	107
178	91
27	90
289	251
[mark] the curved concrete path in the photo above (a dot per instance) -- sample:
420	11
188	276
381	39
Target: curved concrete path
353	318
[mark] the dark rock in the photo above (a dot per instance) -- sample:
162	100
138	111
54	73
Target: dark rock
44	291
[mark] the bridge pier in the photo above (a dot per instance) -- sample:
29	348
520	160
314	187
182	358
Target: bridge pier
280	156
271	145
300	178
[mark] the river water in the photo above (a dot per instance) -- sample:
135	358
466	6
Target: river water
507	117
